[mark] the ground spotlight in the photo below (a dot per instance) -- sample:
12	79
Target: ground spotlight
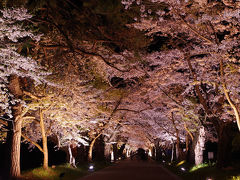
183	169
91	167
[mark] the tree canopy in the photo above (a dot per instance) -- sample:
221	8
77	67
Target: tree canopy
132	71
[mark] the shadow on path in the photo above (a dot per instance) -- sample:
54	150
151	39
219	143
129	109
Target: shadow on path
132	170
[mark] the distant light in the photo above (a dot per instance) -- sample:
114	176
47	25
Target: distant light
119	158
91	167
183	169
163	161
209	178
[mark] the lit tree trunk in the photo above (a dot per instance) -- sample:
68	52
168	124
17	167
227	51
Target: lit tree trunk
91	147
71	158
44	141
108	146
107	151
198	150
128	153
188	133
15	148
178	150
115	151
172	156
14	135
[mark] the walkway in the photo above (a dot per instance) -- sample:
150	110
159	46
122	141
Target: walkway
132	170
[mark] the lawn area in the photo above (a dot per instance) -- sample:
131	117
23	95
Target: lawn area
61	172
204	172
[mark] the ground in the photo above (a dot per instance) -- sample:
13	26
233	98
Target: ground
132	170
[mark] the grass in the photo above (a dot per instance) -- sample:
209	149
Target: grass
204	171
61	172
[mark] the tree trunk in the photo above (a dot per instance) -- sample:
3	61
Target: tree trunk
15	148
225	137
115	151
107	151
71	158
178	150
44	141
91	148
172	155
198	150
14	135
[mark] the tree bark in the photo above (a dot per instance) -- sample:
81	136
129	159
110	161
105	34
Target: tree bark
198	150
14	135
44	141
107	151
71	157
15	148
225	137
91	147
178	150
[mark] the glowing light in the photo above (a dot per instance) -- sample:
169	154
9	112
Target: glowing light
209	178
183	169
180	163
91	167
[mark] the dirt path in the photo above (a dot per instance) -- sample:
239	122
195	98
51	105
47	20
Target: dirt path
132	170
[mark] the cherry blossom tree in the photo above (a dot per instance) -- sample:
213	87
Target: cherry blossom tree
200	31
13	66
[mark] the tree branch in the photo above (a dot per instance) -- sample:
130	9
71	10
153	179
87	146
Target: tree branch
236	113
191	28
83	52
34	143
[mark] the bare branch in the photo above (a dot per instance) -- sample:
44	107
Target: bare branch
34	143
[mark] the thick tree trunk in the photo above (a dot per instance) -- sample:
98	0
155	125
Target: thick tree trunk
198	150
44	141
91	148
107	151
14	135
115	151
178	150
225	137
15	148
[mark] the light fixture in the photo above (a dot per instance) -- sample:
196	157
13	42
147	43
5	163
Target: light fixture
91	167
183	169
